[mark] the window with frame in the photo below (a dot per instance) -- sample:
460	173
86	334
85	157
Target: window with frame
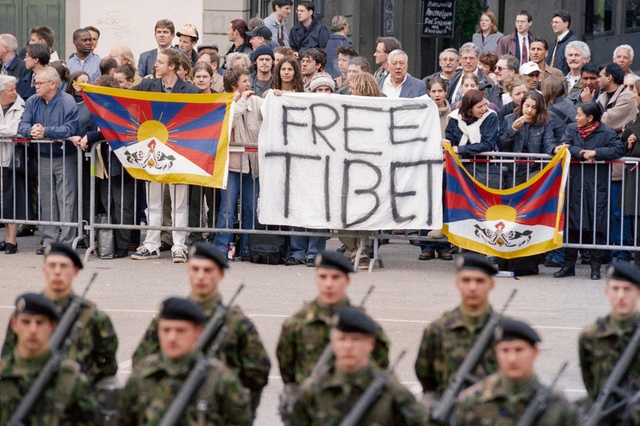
599	16
632	15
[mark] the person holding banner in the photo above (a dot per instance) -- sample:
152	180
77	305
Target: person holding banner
588	193
474	129
243	167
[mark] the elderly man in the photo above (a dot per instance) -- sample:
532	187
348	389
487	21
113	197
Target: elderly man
242	349
503	397
399	83
602	343
560	24
384	46
331	395
469	60
68	398
448	61
155	382
53	114
83	59
11	64
623	56
577	54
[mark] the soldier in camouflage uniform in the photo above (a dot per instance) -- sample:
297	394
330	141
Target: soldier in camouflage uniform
501	398
157	378
327	398
95	348
601	344
242	349
68	399
446	341
305	335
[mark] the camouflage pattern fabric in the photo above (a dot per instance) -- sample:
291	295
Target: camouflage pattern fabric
242	350
18	374
94	349
600	345
498	401
304	337
155	381
327	398
445	344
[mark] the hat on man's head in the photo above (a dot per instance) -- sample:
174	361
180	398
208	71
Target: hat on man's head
211	46
263	49
209	251
189	30
178	308
622	271
350	319
261	31
528	68
322	79
518	330
64	250
36	304
333	260
475	262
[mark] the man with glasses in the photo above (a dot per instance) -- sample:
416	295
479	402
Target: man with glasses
448	61
506	67
469	53
53	114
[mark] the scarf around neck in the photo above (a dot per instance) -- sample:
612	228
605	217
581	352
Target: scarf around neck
588	129
470	132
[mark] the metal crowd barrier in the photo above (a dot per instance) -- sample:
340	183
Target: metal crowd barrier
27	187
500	170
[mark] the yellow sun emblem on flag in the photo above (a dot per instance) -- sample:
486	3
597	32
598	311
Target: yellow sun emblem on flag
153	129
501	212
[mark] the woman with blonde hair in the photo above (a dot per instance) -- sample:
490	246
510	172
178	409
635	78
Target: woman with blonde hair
363	84
487	36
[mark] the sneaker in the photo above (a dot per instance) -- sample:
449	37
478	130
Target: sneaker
179	256
142	253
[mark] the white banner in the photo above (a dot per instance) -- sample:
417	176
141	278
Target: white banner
350	162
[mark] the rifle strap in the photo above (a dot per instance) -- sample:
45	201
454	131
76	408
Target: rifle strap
63	391
205	394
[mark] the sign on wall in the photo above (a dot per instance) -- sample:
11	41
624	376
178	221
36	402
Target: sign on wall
350	162
438	18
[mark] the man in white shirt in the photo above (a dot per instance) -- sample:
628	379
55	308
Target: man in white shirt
577	54
398	83
517	43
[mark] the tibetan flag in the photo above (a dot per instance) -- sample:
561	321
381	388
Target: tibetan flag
511	223
165	137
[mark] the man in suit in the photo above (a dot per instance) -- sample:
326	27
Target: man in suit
11	64
398	83
518	42
560	24
167	82
164	34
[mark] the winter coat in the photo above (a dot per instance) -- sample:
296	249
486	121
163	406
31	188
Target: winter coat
631	176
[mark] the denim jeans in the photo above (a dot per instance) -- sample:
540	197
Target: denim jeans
236	183
619	219
303	248
433	245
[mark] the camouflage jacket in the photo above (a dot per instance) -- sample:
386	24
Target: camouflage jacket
600	346
96	346
155	381
498	401
445	344
327	398
305	335
242	350
69	389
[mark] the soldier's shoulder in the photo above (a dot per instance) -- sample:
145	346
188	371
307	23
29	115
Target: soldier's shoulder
147	365
594	329
476	390
300	316
444	320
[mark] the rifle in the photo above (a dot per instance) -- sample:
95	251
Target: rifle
538	404
62	338
441	411
370	395
603	405
216	331
327	354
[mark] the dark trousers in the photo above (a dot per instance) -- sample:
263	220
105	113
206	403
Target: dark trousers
118	196
571	254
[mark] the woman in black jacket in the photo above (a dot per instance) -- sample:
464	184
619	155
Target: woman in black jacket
587	195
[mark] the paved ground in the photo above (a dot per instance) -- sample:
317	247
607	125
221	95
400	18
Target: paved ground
408	294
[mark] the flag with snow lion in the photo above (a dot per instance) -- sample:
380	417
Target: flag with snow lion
165	137
511	223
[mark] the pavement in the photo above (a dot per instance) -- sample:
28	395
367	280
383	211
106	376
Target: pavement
408	295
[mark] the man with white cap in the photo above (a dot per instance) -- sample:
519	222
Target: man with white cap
531	73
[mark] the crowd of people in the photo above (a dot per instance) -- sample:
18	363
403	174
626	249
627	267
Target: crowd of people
509	93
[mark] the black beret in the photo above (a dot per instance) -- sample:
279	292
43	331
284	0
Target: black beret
475	262
36	304
178	308
64	250
334	260
353	320
518	330
209	251
623	271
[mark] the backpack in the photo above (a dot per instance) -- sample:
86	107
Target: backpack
268	249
